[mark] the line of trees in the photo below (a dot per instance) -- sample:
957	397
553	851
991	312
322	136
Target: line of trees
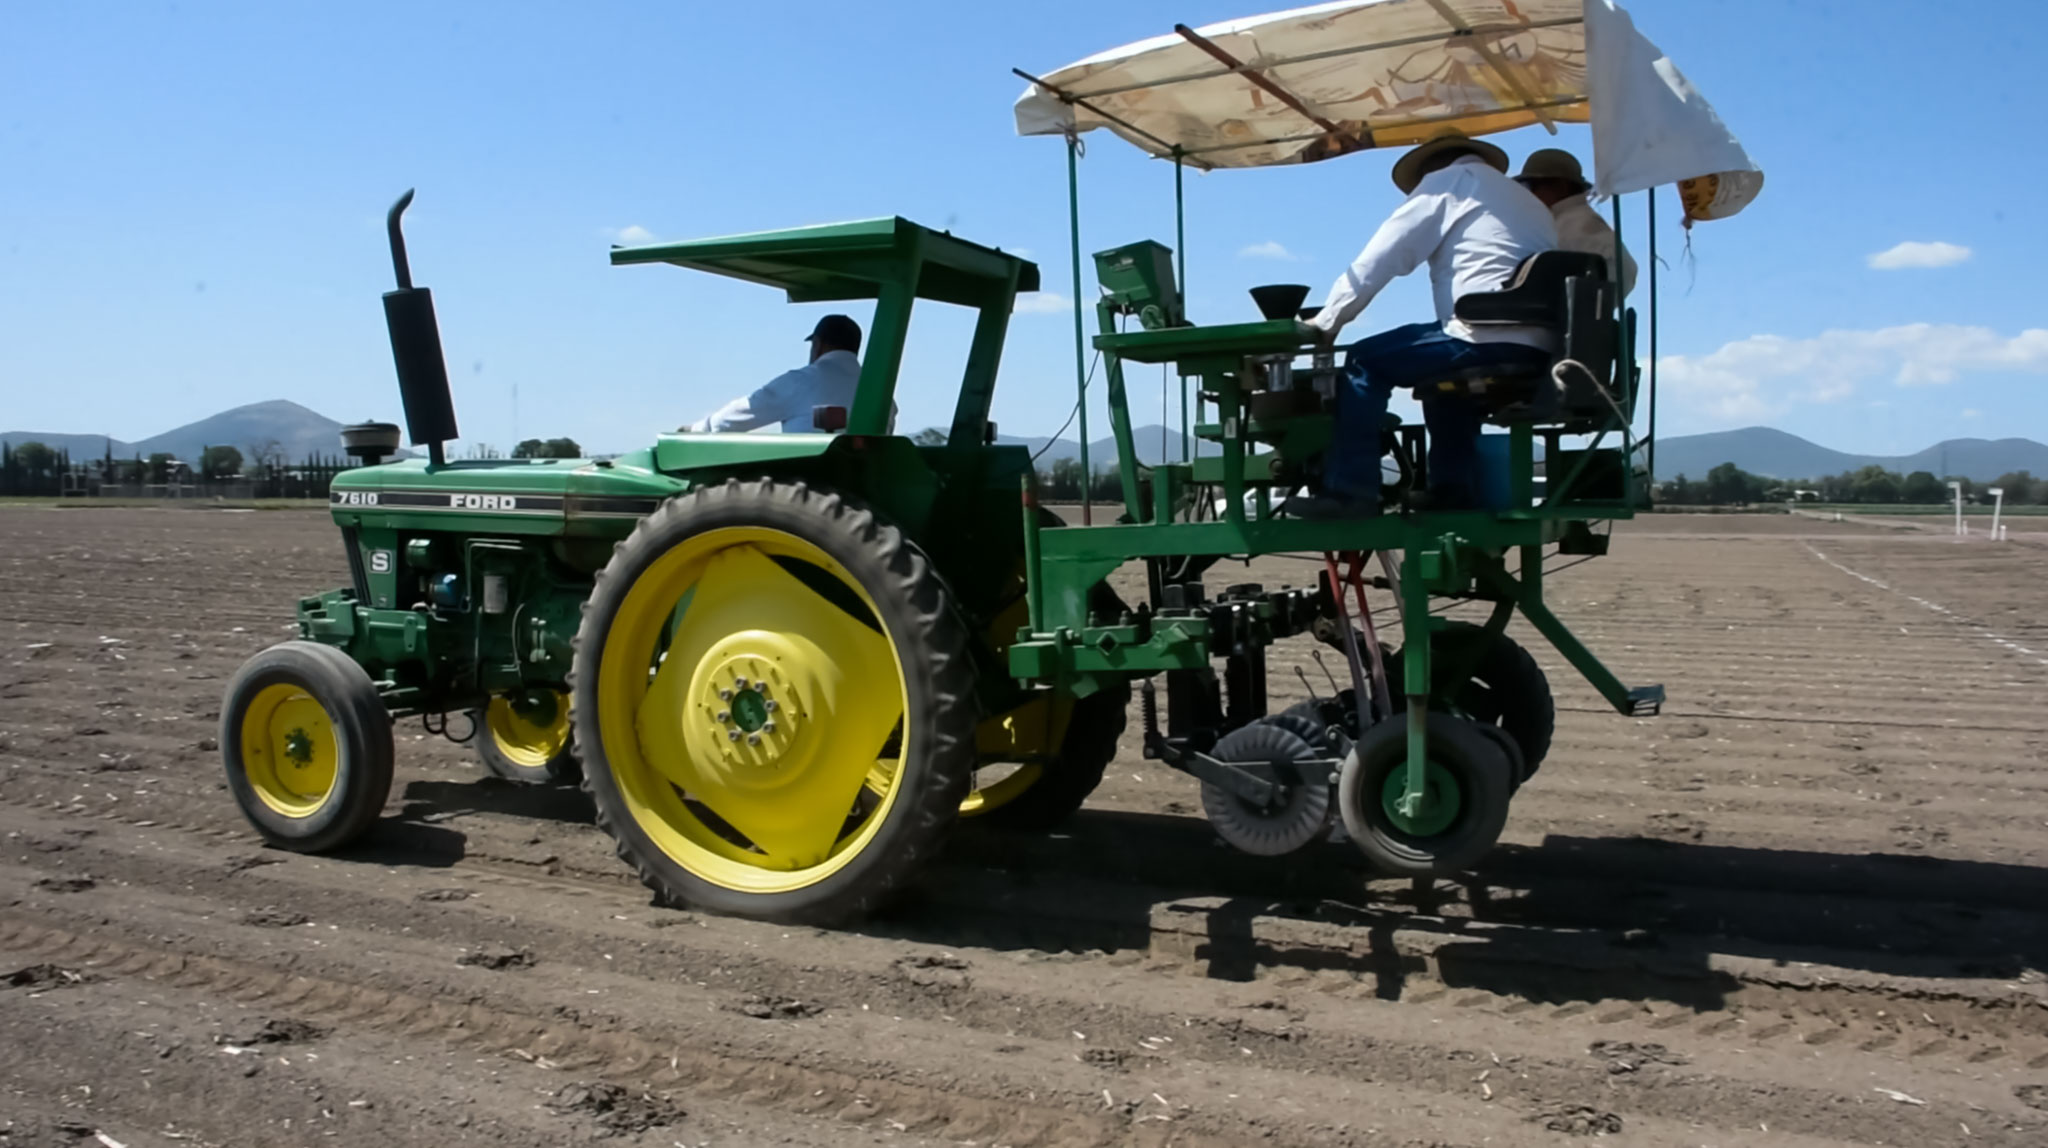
34	469
1730	485
547	448
1061	482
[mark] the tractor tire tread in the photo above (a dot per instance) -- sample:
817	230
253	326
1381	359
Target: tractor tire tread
911	591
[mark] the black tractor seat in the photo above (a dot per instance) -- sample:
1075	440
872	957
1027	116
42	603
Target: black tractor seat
1568	294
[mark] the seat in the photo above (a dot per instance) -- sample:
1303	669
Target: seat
1567	293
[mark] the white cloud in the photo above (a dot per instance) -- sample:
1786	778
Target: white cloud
1766	374
630	235
1972	413
1919	255
1270	249
1043	303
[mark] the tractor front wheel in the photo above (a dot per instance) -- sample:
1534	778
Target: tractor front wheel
307	744
774	703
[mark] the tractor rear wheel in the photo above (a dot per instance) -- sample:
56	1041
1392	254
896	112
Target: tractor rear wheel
528	738
1060	745
307	745
1469	782
774	703
1040	795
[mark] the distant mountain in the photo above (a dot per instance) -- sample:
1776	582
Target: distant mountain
297	430
1762	450
1759	450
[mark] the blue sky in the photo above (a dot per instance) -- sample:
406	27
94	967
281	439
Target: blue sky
190	217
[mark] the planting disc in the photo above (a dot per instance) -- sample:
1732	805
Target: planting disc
1298	818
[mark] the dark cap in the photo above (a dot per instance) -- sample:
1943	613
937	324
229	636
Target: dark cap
837	332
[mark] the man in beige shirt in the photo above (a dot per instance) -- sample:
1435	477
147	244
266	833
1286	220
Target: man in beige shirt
1555	177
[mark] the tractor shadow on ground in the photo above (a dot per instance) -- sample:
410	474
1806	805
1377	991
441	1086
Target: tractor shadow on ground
432	801
1569	919
422	833
398	843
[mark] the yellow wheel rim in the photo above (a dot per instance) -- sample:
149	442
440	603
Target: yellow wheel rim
753	722
1030	734
290	753
531	734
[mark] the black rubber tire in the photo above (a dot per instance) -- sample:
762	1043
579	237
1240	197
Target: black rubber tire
1267	739
1518	767
1507	689
938	673
1303	722
362	729
565	768
1093	730
1476	762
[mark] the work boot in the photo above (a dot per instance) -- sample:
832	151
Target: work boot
1328	507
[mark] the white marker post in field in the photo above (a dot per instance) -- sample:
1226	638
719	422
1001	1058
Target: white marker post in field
1958	488
1997	507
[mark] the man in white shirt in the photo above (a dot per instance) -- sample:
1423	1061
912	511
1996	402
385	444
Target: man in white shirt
791	398
1473	226
1555	177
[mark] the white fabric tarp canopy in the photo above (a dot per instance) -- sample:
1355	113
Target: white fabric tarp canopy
1315	83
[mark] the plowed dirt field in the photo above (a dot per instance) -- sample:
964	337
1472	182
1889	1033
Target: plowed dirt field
1808	905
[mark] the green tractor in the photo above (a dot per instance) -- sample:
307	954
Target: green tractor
786	665
779	662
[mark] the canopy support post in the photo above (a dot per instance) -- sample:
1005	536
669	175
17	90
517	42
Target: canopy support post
1180	251
1080	338
1626	365
1652	193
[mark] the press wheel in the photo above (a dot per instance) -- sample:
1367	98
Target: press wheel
1469	782
1506	689
1298	816
774	703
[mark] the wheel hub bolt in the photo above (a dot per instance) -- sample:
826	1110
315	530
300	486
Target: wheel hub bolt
768	727
739	683
732	735
725	695
753	739
724	717
768	704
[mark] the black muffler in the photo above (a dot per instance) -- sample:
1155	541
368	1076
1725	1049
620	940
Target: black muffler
416	350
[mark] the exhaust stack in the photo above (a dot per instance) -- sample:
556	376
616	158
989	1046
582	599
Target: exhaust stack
416	350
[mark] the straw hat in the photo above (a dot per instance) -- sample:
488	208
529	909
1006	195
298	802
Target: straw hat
1554	163
1408	169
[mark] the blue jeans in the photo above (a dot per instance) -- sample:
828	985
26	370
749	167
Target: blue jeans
1411	356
